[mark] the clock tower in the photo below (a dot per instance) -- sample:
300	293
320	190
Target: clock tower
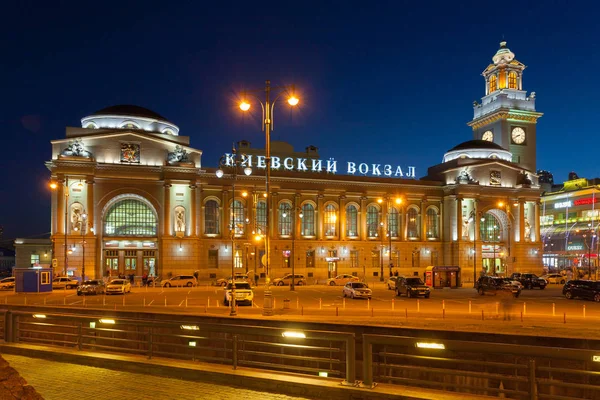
506	115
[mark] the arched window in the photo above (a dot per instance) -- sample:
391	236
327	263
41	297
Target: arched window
512	80
211	217
393	222
412	229
351	221
130	217
330	221
308	220
433	230
261	217
372	221
236	219
489	228
493	82
285	219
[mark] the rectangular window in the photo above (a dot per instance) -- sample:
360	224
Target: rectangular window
45	278
237	262
149	262
213	259
130	259
112	260
375	258
35	259
261	217
354	258
286	258
310	259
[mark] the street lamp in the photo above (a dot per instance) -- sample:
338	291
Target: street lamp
471	219
267	126
83	228
233	162
54	186
389	232
292	212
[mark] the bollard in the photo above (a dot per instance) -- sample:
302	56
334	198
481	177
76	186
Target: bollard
496	308
406	313
165	301
297	303
368	303
521	316
443	304
205	309
320	303
564	318
443	314
469	306
336	312
553	309
418	305
274	306
185	301
584	311
344	303
104	300
26	301
371	312
217	303
393	305
208	302
524	308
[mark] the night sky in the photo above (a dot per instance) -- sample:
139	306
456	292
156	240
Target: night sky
380	82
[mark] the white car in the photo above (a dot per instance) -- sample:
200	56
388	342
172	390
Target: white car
357	290
555	278
180	280
391	282
299	280
237	277
64	282
7	283
243	293
341	280
118	286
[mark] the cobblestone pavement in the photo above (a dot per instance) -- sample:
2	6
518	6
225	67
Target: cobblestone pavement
63	381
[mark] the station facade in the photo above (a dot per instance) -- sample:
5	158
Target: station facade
133	197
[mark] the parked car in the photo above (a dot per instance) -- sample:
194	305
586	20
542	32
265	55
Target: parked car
180	280
239	277
555	278
495	284
243	293
287	280
513	282
412	287
95	286
64	282
357	290
529	281
7	283
342	280
582	288
391	282
118	286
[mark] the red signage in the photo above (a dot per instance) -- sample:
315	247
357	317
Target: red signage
587	200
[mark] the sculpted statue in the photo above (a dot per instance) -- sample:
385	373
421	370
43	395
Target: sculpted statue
76	217
464	177
76	149
527	230
180	219
179	155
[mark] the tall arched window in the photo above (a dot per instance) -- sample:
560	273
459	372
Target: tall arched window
236	218
412	229
493	83
211	217
261	217
351	221
285	219
372	221
489	228
330	220
433	230
308	220
130	217
512	80
393	222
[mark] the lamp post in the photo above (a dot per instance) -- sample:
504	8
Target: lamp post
83	228
267	126
54	186
233	163
389	232
293	212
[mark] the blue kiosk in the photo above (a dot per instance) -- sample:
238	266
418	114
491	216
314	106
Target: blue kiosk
33	280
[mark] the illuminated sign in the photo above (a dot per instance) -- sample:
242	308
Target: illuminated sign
315	165
332	259
575	247
587	200
563	204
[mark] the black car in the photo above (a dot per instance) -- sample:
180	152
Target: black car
583	289
529	281
495	285
94	286
412	287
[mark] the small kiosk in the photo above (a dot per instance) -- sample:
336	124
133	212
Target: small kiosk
442	276
33	280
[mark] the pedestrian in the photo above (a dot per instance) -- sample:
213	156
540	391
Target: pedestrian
256	279
396	273
145	279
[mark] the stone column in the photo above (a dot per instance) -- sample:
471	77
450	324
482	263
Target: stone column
320	220
200	218
342	219
274	219
192	218
476	221
167	210
537	222
423	220
459	221
90	205
522	220
60	207
363	218
226	215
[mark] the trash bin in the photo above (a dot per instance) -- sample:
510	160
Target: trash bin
286	304
268	303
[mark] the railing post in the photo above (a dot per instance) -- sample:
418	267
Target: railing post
150	343
367	364
235	349
533	395
350	361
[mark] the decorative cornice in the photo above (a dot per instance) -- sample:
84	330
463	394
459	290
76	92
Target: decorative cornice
525	116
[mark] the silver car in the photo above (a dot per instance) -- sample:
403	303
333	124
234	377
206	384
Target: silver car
356	290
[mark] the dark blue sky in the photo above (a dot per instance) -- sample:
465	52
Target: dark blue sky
387	82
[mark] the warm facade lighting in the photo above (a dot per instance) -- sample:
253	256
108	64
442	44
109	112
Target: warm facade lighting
190	327
500	204
424	345
398	201
41	316
53	185
107	321
294	334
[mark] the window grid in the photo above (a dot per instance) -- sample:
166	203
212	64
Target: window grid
330	220
261	216
130	217
213	259
413	231
354	258
285	223
308	220
493	83
512	80
375	258
393	222
211	217
372	221
489	229
351	221
432	224
236	219
310	259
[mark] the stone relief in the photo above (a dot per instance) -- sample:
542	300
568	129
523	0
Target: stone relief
76	149
524	179
465	178
76	216
179	155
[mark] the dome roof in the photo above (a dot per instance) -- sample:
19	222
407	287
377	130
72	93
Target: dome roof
130	111
477	144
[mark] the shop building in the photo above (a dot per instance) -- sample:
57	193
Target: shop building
133	197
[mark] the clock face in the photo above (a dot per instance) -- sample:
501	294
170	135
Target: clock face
518	135
488	135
